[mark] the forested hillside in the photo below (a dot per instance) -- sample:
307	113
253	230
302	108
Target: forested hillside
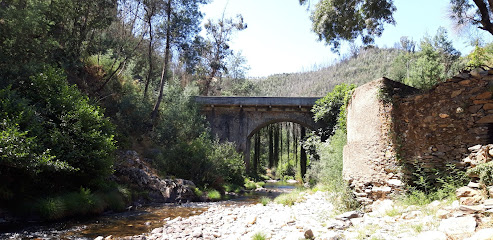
368	65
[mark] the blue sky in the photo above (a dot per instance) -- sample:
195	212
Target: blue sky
279	37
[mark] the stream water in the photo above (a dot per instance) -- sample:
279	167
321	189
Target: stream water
133	222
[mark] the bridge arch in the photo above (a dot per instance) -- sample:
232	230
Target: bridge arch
236	119
267	123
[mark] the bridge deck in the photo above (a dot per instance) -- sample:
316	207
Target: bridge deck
258	101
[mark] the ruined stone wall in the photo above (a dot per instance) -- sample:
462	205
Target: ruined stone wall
392	126
437	127
370	163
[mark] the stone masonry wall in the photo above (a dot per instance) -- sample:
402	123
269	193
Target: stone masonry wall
437	127
391	125
370	163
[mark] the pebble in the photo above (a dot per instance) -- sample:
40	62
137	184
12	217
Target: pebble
314	218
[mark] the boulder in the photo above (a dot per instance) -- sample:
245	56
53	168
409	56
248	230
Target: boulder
130	169
432	235
466	192
459	226
483	234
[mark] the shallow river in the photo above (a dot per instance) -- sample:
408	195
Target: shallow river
133	222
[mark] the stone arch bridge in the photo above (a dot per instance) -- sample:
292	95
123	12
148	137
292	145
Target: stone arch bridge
237	119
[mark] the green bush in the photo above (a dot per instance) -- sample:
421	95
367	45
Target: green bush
289	199
484	171
214	195
74	130
259	236
265	200
52	139
331	109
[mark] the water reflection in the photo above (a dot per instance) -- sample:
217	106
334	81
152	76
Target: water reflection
139	221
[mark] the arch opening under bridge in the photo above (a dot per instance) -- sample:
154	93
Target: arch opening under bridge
237	119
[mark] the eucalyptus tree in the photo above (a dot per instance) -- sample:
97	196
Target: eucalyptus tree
180	24
219	35
341	20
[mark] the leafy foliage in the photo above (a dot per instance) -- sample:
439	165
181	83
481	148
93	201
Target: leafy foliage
339	20
435	61
54	136
331	109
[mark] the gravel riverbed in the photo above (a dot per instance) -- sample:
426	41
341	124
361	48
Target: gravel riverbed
315	218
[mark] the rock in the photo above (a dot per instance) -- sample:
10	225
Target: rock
395	182
469	201
432	235
484	95
252	220
443	115
381	189
349	215
157	230
309	234
458	226
488	203
379	207
466	192
99	238
483	234
472	209
477	72
473	185
337	224
197	233
474	148
331	235
411	215
486	119
456	93
443	214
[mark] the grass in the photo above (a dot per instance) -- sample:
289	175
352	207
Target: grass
232	188
81	203
198	192
214	195
259	236
265	200
289	199
393	212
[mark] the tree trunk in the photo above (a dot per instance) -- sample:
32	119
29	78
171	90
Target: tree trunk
256	159
271	146
303	154
276	145
164	73
149	52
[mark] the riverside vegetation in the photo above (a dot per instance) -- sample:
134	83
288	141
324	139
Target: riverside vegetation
77	84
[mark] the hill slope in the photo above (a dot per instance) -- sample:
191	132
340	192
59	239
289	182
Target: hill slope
368	65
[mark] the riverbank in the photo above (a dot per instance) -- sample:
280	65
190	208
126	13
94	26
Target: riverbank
315	218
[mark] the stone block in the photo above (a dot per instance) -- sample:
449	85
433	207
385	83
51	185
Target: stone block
486	119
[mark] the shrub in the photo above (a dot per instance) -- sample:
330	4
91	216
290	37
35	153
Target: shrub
289	199
52	139
265	200
259	236
484	171
213	195
74	130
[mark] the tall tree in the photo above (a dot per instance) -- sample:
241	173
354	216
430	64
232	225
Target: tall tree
218	37
341	20
151	8
181	25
